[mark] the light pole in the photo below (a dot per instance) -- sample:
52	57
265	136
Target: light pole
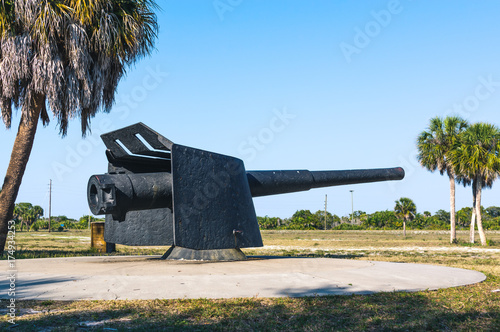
352	206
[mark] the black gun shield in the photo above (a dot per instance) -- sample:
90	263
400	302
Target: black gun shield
212	203
141	228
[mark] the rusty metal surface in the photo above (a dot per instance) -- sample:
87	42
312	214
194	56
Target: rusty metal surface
97	236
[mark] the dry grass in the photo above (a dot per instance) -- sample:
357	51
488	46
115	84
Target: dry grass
69	243
370	239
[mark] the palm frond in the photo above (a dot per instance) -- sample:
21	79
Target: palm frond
73	52
477	154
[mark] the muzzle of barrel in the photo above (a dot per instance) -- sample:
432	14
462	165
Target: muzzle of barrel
116	194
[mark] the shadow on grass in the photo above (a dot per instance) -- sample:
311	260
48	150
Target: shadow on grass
28	288
383	311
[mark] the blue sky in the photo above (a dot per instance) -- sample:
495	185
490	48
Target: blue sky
295	85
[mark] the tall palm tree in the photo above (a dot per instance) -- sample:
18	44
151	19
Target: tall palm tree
477	157
434	146
66	56
406	210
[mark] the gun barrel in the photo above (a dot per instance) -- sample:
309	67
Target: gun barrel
118	193
263	183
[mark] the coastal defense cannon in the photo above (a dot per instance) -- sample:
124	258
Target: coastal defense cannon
199	202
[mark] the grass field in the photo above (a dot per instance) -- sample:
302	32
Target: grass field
470	308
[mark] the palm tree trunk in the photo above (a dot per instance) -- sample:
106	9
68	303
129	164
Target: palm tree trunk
404	228
473	218
453	232
17	165
480	229
472	226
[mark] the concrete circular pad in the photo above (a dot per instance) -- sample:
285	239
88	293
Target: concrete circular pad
148	277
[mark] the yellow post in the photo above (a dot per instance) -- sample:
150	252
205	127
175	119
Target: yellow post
97	236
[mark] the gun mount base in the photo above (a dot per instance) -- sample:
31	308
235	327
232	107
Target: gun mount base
214	255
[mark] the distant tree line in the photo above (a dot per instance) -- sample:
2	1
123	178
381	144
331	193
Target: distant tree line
381	220
29	217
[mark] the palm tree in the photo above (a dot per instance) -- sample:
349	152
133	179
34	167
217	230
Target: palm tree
27	214
21	214
477	157
434	147
66	56
406	210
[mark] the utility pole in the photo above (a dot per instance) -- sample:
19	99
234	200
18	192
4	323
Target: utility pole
326	200
352	206
50	200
